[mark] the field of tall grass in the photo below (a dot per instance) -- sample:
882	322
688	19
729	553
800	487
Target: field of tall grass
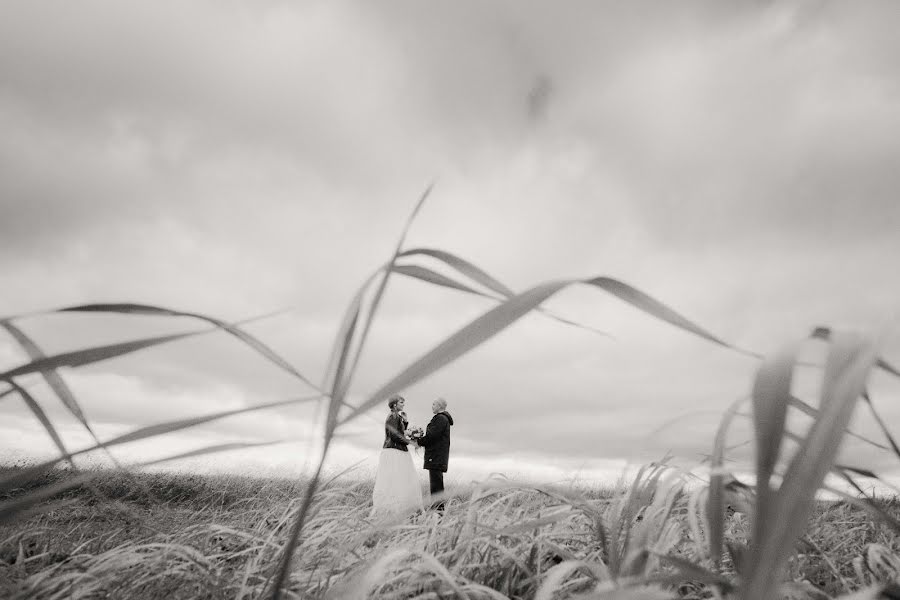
85	534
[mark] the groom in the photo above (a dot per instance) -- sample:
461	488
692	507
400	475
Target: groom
436	442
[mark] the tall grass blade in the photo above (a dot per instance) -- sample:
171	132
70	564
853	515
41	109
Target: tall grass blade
472	335
824	333
715	505
849	361
213	449
379	293
141	433
621	523
499	318
881	424
41	416
148	310
55	381
339	387
771	395
345	333
335	398
813	412
464	267
180	424
435	278
88	356
52	378
653	307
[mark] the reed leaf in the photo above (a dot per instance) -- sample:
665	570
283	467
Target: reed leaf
824	333
715	505
18	478
472	335
35	408
435	278
849	361
464	267
55	381
881	424
339	387
379	293
810	411
52	378
771	394
344	336
212	449
155	311
180	424
79	358
655	308
499	318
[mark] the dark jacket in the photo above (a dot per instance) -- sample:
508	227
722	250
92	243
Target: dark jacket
394	427
437	442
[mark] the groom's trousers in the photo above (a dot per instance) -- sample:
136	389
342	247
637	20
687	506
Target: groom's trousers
436	481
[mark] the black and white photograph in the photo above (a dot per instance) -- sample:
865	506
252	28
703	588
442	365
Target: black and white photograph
483	299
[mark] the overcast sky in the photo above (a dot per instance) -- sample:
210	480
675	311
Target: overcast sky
738	161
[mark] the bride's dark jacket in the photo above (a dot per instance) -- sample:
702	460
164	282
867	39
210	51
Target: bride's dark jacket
437	442
394	427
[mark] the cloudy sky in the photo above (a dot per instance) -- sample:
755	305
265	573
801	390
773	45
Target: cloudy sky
738	161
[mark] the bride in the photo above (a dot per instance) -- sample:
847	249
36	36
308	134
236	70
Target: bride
397	489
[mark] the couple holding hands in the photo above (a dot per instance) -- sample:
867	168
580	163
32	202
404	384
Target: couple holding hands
397	488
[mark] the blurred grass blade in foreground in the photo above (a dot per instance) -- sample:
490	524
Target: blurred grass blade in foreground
340	384
433	277
17	478
79	358
230	328
715	503
779	522
51	376
499	318
42	417
464	267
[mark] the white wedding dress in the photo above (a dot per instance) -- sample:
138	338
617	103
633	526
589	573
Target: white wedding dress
397	489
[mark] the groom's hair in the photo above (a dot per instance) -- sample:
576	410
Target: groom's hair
393	401
442	403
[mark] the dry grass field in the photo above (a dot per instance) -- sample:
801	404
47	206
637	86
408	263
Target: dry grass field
173	535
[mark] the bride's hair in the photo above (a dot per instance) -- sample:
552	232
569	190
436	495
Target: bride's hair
393	401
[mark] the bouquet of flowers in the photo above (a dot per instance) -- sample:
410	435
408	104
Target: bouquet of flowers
414	433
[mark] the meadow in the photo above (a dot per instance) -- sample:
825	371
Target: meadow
182	535
70	533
